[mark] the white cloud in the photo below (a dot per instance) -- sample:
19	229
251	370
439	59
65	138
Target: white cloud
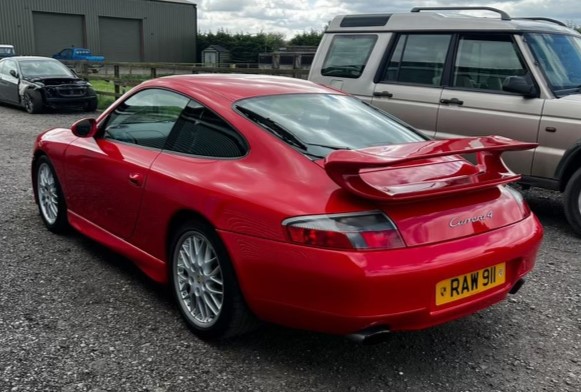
292	17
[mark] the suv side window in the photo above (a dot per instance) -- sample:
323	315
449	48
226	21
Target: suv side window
200	132
483	62
418	59
145	118
348	55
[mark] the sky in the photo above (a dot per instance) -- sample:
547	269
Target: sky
291	17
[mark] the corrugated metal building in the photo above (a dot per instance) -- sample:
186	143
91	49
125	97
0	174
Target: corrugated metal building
120	30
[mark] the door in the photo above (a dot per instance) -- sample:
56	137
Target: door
474	104
106	176
9	83
410	87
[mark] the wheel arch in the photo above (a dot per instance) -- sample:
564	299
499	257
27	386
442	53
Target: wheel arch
569	164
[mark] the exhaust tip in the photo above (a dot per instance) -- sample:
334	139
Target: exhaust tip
517	286
372	335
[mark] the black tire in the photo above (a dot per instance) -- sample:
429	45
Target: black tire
51	201
233	317
91	106
572	201
32	103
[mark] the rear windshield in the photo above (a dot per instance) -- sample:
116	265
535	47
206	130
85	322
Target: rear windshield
320	123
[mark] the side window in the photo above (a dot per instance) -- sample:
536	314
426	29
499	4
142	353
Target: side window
200	132
418	59
483	62
146	118
348	55
9	65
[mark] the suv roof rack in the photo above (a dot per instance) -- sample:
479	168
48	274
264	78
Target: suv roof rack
503	15
543	19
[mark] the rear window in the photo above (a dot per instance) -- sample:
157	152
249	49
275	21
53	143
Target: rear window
320	123
348	55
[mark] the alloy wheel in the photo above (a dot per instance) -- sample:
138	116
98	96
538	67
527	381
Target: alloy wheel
47	193
198	279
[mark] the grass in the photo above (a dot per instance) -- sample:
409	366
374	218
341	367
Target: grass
107	86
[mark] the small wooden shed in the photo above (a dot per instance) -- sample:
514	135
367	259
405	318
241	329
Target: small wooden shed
215	56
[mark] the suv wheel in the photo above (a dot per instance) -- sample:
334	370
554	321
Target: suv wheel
573	201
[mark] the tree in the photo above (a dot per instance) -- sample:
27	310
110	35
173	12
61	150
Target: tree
310	38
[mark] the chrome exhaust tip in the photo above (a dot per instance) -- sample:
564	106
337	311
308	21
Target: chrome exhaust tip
372	335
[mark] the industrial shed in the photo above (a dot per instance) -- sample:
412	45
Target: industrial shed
120	30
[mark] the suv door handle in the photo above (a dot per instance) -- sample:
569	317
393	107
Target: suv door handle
453	100
382	94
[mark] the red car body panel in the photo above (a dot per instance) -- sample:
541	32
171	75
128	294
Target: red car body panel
126	197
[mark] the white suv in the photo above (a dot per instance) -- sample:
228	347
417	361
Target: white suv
452	75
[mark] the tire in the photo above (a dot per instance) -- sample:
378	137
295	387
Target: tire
572	202
51	201
31	103
207	291
91	106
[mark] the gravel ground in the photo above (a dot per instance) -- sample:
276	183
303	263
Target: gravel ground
77	317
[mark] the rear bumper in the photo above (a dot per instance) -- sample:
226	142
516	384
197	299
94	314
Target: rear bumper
345	292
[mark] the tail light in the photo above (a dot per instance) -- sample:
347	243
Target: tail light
362	231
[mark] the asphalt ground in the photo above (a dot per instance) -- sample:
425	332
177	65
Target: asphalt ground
75	316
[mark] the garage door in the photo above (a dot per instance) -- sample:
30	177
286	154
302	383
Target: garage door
53	32
121	39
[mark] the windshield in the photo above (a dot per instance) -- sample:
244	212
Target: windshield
559	56
6	50
44	68
320	123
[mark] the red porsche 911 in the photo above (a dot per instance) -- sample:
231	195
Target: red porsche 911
276	199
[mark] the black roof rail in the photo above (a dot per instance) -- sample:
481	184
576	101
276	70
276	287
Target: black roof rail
543	19
503	15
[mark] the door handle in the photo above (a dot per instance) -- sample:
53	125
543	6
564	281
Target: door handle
455	101
136	179
382	94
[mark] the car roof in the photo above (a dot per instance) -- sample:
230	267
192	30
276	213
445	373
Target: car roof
20	58
443	21
238	86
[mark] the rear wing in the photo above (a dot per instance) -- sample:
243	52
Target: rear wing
345	166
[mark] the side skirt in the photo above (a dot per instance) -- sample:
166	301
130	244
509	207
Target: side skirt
151	266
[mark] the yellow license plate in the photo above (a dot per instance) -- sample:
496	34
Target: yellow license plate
466	285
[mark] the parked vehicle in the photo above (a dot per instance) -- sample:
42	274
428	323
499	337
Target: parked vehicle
7	51
453	75
81	54
289	201
35	83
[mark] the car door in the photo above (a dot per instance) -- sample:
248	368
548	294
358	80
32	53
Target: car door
473	102
9	83
106	175
410	86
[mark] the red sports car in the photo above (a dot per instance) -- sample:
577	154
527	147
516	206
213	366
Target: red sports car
281	200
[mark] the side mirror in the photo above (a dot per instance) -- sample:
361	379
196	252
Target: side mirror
520	85
86	127
14	74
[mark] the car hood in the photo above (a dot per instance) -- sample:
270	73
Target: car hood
430	192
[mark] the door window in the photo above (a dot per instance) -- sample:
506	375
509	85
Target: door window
418	59
483	62
200	132
146	118
348	55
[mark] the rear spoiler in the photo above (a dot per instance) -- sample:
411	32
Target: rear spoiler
344	166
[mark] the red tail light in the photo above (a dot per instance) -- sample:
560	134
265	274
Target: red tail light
364	231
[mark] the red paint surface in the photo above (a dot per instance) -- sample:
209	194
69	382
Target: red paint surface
125	197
